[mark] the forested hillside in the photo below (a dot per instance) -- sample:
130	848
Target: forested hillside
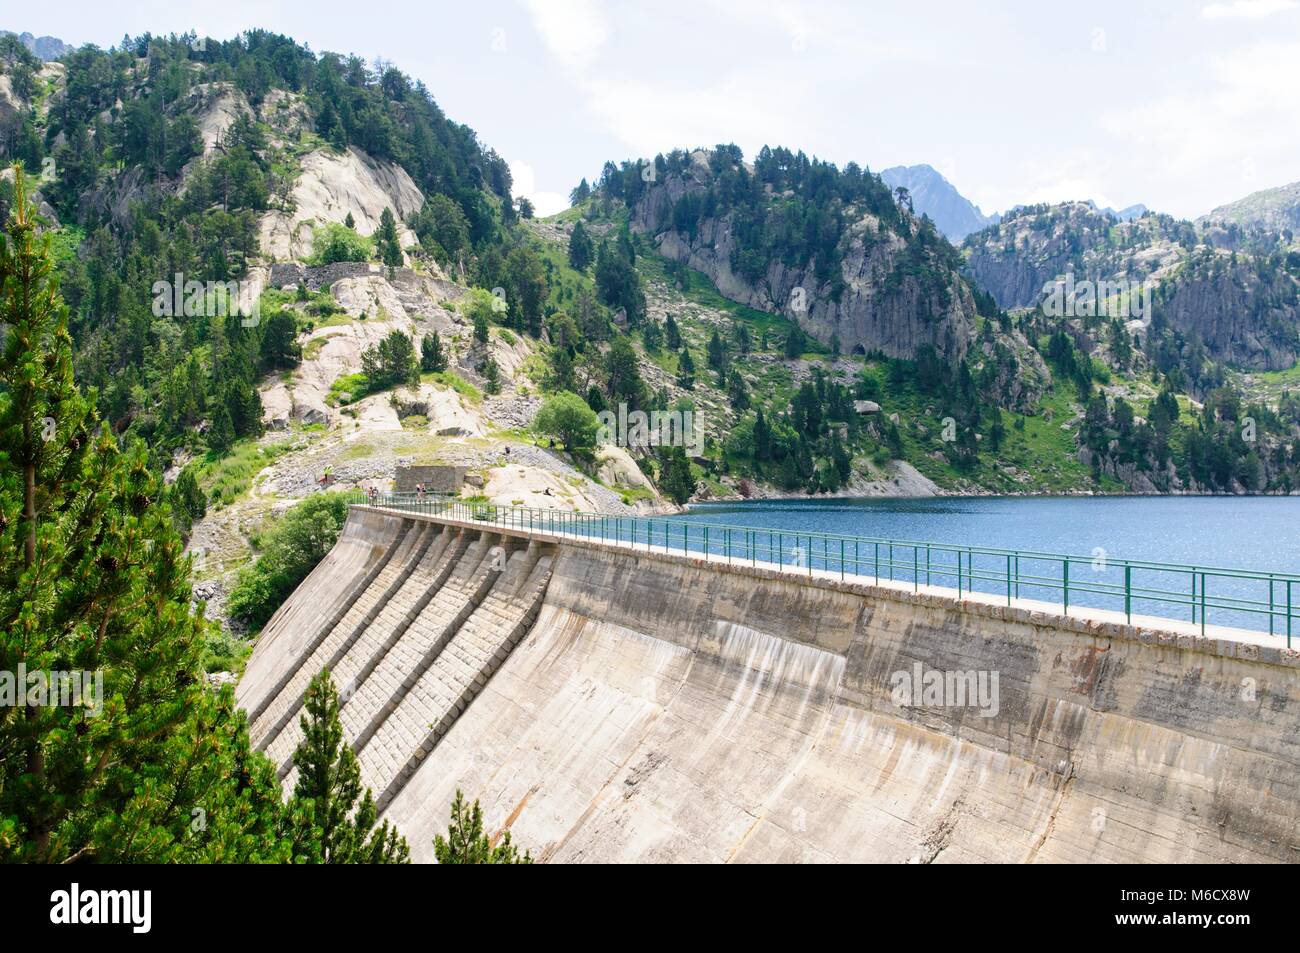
245	273
828	338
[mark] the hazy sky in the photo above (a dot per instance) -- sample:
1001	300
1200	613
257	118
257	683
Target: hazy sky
1180	105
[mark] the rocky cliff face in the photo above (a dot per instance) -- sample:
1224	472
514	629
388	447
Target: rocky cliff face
884	305
1244	307
1247	316
1033	246
333	185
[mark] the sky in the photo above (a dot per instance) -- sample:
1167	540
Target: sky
1182	105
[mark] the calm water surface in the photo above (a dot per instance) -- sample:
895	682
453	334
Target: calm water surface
1250	533
1239	532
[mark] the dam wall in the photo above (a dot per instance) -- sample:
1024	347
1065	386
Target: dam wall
612	705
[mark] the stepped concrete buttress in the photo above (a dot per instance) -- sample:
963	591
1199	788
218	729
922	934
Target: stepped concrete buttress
610	704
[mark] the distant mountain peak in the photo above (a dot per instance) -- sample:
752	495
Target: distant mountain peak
933	195
1275	209
1123	214
46	47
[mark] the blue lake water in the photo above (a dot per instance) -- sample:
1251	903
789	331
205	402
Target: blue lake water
1251	533
1240	532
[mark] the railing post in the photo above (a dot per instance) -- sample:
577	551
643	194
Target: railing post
1128	593
1202	603
1065	584
1008	579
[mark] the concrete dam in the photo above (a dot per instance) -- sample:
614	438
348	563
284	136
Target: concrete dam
607	703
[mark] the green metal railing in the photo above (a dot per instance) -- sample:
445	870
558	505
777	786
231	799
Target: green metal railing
1262	601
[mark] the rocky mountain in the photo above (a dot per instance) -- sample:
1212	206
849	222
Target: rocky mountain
1124	214
46	47
1207	284
828	249
933	195
1274	210
1016	259
351	210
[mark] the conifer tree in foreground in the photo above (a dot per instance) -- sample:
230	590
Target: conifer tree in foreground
329	826
94	584
466	843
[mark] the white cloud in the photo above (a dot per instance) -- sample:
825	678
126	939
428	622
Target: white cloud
524	181
1246	9
1236	134
573	30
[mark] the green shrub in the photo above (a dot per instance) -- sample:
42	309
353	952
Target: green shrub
347	389
290	550
335	242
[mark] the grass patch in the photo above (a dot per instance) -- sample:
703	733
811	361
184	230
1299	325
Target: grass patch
455	382
634	495
226	478
311	350
348	389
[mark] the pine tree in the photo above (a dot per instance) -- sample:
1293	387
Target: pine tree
672	334
675	477
652	337
466	843
491	376
329	825
795	342
387	243
762	437
94	583
686	370
221	432
279	346
432	357
717	356
188	502
580	248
